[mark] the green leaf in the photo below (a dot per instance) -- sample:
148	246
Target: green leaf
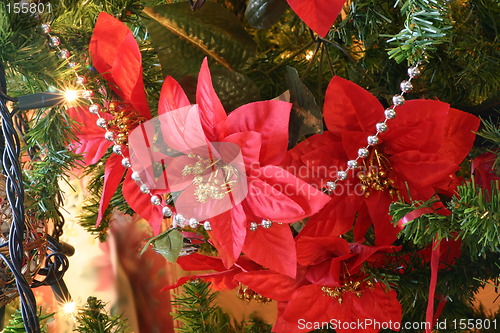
262	14
306	117
234	89
169	245
182	37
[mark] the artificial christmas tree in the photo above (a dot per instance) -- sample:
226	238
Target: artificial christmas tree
325	155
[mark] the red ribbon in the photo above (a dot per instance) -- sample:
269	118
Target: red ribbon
414	215
430	317
429	314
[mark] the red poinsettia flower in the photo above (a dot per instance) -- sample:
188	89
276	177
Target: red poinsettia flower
319	15
221	279
421	148
116	55
260	130
483	168
330	287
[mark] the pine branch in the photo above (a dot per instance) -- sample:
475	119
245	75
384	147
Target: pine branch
198	312
93	318
16	324
476	216
425	27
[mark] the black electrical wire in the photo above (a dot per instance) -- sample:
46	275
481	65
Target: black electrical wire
14	189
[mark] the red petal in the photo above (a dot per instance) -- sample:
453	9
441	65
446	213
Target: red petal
348	107
219	281
459	135
269	284
374	303
378	208
116	55
313	250
212	112
419	125
199	262
141	203
267	202
273	248
366	253
336	218
229	231
306	199
249	143
316	159
308	303
270	119
91	143
283	326
319	15
328	272
113	173
172	96
421	171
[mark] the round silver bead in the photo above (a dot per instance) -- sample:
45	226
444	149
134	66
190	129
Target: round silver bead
80	79
54	41
64	54
135	176
363	152
117	149
166	211
266	224
381	127
179	220
330	186
352	164
87	94
110	136
155	200
413	71
126	162
398	100
253	226
406	86
45	28
372	140
101	122
207	226
193	223
144	188
94	108
390	113
72	64
342	175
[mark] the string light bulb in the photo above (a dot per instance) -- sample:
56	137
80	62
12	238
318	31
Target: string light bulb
69	307
71	95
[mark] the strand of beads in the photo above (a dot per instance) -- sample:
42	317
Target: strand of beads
178	220
381	127
101	122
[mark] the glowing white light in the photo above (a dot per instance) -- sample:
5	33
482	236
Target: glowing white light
71	95
309	55
69	307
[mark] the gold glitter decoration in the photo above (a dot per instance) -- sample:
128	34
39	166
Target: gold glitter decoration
377	174
247	294
125	119
350	286
220	180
